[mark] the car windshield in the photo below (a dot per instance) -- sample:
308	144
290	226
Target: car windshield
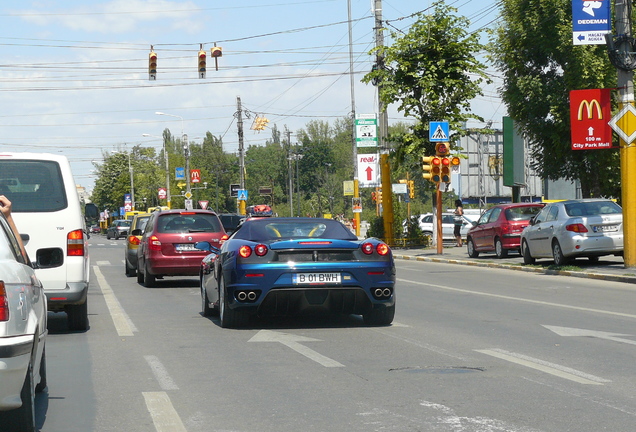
592	208
522	213
33	185
279	229
188	223
124	223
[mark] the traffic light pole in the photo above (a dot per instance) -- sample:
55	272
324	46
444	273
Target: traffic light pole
627	151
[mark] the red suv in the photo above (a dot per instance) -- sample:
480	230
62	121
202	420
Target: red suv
499	228
167	247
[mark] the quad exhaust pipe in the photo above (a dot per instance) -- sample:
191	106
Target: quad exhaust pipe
382	294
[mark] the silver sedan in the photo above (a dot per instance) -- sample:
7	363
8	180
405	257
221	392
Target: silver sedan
574	228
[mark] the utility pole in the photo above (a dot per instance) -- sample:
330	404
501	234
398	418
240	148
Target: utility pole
627	151
356	182
383	129
290	173
186	151
239	113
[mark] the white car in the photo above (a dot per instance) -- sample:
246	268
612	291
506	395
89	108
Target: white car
47	211
22	336
425	222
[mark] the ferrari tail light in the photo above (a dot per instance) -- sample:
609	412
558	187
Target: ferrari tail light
133	240
245	251
367	248
75	243
260	250
382	248
154	243
4	303
579	228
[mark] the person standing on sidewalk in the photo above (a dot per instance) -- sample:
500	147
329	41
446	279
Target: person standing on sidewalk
459	221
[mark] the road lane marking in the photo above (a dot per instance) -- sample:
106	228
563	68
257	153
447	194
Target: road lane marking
505	297
163	414
291	341
568	332
544	366
103	263
161	373
123	324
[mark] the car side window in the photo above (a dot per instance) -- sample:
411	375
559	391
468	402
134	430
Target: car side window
484	218
12	242
494	215
553	214
543	214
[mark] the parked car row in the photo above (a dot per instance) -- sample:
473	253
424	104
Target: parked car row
426	224
559	231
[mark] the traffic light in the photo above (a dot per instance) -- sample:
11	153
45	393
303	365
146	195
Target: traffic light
445	169
411	186
202	63
441	149
373	196
152	66
378	196
431	165
454	161
216	52
260	123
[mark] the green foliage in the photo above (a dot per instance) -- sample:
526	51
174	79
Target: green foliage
533	49
432	73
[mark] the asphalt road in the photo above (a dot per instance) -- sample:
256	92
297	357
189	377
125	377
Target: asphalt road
471	349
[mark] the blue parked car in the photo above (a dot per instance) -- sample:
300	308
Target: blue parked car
287	266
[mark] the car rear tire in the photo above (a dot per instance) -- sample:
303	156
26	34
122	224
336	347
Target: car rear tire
77	316
499	249
130	272
557	254
380	317
525	252
471	248
229	318
39	388
107	235
149	279
22	419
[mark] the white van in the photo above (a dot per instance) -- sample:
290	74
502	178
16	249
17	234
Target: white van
47	212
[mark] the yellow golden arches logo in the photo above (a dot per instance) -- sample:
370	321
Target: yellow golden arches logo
590	109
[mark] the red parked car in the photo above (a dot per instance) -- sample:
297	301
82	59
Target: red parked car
167	244
499	228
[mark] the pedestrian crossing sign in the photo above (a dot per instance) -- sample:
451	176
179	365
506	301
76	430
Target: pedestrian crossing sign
438	131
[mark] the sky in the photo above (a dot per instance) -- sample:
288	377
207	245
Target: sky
74	74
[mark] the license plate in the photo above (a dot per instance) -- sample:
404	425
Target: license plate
605	228
316	278
182	247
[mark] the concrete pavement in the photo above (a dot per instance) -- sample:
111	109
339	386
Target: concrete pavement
611	268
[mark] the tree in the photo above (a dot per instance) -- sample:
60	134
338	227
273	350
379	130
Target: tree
432	73
533	49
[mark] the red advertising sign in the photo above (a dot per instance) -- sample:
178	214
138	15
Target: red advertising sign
590	112
195	176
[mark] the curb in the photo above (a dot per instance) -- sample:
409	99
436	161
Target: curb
587	275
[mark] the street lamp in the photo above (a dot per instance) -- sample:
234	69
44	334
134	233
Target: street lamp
186	149
165	153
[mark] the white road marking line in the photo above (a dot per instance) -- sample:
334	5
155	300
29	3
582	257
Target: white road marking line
544	366
539	302
160	373
163	414
102	263
123	324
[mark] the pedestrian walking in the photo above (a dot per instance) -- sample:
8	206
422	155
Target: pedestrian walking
459	221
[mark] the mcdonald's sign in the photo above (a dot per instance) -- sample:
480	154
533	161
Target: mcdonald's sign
590	113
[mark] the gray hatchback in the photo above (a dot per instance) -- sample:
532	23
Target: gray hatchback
119	228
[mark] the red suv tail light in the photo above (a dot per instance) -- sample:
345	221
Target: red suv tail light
154	243
75	243
4	304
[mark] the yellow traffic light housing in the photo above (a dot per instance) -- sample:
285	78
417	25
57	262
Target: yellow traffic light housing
378	196
427	168
411	186
216	52
152	66
202	63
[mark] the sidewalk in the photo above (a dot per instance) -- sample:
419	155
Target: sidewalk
611	268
